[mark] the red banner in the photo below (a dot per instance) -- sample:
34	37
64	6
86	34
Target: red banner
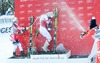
74	17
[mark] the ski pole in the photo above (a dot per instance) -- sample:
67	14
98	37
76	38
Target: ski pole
55	27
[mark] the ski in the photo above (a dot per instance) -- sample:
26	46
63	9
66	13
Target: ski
55	27
17	57
31	48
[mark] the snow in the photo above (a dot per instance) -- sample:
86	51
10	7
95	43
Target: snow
6	46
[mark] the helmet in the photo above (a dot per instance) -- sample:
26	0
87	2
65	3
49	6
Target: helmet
50	14
93	23
93	17
15	20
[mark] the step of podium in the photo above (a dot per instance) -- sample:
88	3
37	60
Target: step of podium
51	56
79	59
54	58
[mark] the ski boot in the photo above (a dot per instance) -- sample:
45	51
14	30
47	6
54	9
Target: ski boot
45	46
14	55
23	55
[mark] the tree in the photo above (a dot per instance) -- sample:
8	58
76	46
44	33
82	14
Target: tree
5	4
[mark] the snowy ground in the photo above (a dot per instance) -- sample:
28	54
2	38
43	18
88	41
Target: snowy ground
6	47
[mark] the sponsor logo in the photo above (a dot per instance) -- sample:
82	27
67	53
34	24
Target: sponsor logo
5	30
21	6
30	5
23	0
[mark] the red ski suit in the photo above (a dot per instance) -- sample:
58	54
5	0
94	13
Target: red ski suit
15	32
95	33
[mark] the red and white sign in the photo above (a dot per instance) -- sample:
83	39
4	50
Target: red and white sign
74	16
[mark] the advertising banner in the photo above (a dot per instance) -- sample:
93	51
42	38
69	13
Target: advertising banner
73	18
5	24
6	46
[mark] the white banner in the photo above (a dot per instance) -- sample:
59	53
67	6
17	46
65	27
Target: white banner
5	23
6	46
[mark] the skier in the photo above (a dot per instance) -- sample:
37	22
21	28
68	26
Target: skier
16	30
95	33
46	19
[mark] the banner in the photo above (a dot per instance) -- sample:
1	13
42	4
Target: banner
73	19
5	24
6	46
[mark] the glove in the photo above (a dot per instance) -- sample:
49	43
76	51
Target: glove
82	34
49	25
22	30
27	28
